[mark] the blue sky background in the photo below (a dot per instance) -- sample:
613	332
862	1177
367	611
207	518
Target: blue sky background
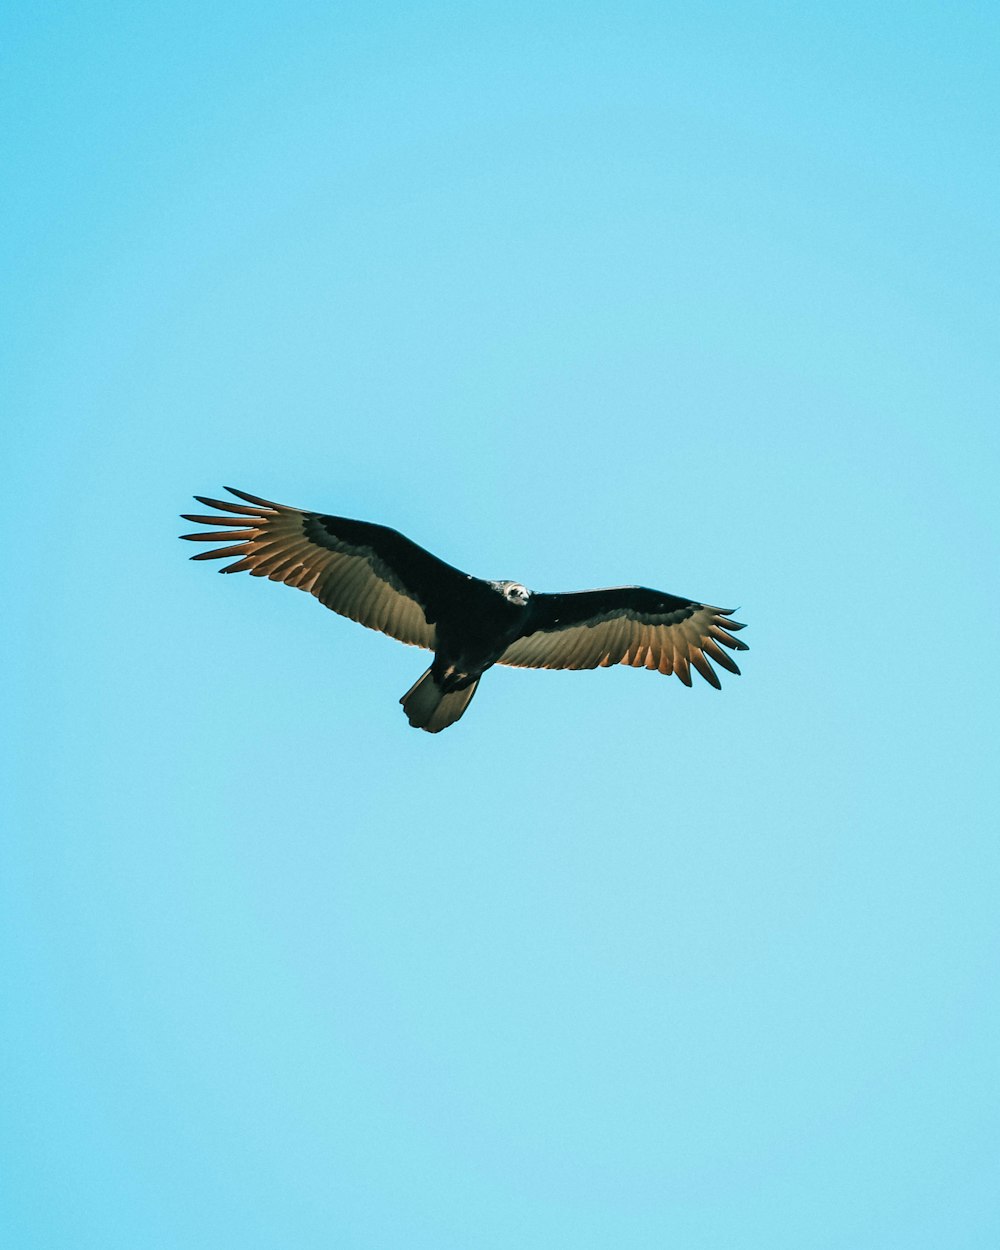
703	297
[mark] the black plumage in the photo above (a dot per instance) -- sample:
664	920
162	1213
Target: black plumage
377	576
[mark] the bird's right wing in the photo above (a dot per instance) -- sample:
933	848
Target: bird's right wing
626	625
367	572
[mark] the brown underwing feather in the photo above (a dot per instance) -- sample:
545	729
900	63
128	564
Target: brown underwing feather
214	536
726	639
222	553
218	520
716	653
703	667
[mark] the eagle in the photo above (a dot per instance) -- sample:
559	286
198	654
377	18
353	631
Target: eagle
380	578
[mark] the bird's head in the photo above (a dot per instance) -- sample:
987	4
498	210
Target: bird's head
513	592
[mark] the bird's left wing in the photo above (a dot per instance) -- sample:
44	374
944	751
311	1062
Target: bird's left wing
370	573
626	625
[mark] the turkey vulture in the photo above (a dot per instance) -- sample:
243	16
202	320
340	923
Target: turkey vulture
380	578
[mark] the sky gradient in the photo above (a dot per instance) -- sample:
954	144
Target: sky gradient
703	299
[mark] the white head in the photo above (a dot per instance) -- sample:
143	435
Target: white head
513	592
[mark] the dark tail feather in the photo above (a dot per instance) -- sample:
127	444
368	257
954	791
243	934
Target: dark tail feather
428	707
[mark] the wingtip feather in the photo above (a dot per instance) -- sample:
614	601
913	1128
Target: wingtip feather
701	663
255	499
221	553
225	505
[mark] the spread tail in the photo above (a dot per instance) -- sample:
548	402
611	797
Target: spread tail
428	707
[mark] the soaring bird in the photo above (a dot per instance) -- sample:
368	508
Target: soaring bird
380	578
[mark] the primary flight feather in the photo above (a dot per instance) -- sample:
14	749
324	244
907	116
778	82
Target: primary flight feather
377	576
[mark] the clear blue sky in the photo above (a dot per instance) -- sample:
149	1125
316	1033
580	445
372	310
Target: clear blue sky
702	297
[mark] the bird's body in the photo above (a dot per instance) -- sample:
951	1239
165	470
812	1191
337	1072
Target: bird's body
377	576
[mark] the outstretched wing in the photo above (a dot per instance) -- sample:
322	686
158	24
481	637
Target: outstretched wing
367	572
626	625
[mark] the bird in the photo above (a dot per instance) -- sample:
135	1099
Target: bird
377	576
